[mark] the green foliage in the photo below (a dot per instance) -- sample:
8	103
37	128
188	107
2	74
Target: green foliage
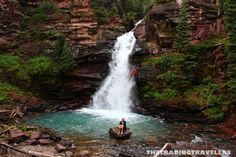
214	113
129	20
39	35
130	11
182	39
42	66
46	7
165	95
12	64
165	62
104	10
63	56
230	86
230	20
5	89
42	12
196	60
169	76
9	62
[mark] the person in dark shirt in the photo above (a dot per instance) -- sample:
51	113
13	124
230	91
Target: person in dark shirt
122	126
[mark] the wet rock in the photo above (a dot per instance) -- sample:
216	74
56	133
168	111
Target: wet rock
233	137
68	154
36	134
32	141
84	153
44	142
17	136
210	130
45	136
60	148
51	134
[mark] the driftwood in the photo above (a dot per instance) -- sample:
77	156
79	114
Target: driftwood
16	112
6	130
13	113
8	149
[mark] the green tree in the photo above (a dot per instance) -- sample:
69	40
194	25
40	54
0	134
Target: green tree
63	55
182	37
229	15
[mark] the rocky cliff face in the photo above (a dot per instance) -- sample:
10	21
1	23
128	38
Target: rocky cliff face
75	20
156	35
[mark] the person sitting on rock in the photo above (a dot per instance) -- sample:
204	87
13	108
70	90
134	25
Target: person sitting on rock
122	127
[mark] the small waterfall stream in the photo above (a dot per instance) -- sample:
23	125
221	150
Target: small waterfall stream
115	92
114	97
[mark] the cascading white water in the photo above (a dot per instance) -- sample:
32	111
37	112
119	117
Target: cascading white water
115	92
114	97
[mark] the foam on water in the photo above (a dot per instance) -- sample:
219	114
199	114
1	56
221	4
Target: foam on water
111	114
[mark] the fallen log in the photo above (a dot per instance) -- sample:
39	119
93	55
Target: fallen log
6	148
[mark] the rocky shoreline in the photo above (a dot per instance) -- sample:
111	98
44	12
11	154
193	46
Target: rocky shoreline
33	140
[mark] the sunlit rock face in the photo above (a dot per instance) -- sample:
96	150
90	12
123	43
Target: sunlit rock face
157	33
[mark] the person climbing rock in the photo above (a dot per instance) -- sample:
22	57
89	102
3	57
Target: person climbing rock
122	127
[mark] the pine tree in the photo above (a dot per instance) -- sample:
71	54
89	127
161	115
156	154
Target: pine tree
63	55
182	37
230	19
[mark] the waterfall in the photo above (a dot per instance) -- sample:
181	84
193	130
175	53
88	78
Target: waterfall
115	92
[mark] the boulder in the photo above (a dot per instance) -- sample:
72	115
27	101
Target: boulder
44	142
36	134
17	136
69	154
84	153
32	141
60	148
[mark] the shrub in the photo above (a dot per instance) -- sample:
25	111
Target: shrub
39	35
9	62
165	61
5	89
165	95
63	56
42	12
42	66
214	113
